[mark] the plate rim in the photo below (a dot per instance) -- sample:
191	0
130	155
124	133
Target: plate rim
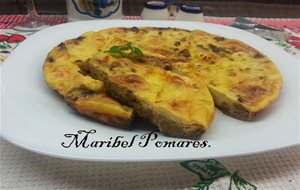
130	159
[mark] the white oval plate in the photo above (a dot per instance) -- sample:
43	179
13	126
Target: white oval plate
36	118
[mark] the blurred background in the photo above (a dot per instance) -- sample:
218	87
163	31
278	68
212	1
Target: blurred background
226	8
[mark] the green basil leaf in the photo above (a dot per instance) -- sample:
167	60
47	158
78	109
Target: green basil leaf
137	52
207	170
236	182
127	51
115	49
124	48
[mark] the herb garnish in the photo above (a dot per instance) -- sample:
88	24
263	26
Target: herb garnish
127	51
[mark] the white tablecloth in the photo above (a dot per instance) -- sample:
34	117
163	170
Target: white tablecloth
21	169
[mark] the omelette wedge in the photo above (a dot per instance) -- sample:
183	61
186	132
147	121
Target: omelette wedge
174	103
81	92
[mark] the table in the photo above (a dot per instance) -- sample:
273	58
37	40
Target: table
21	169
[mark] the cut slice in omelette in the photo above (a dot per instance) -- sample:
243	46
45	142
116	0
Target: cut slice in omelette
83	93
177	105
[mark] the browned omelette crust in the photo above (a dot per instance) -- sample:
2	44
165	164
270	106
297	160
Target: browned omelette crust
241	79
81	92
176	104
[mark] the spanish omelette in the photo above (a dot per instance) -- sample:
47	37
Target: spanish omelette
241	80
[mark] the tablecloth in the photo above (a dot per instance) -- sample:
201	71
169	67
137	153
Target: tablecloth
21	169
290	25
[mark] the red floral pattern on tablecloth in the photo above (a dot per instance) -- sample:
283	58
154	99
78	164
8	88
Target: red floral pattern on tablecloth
7	21
10	39
292	24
